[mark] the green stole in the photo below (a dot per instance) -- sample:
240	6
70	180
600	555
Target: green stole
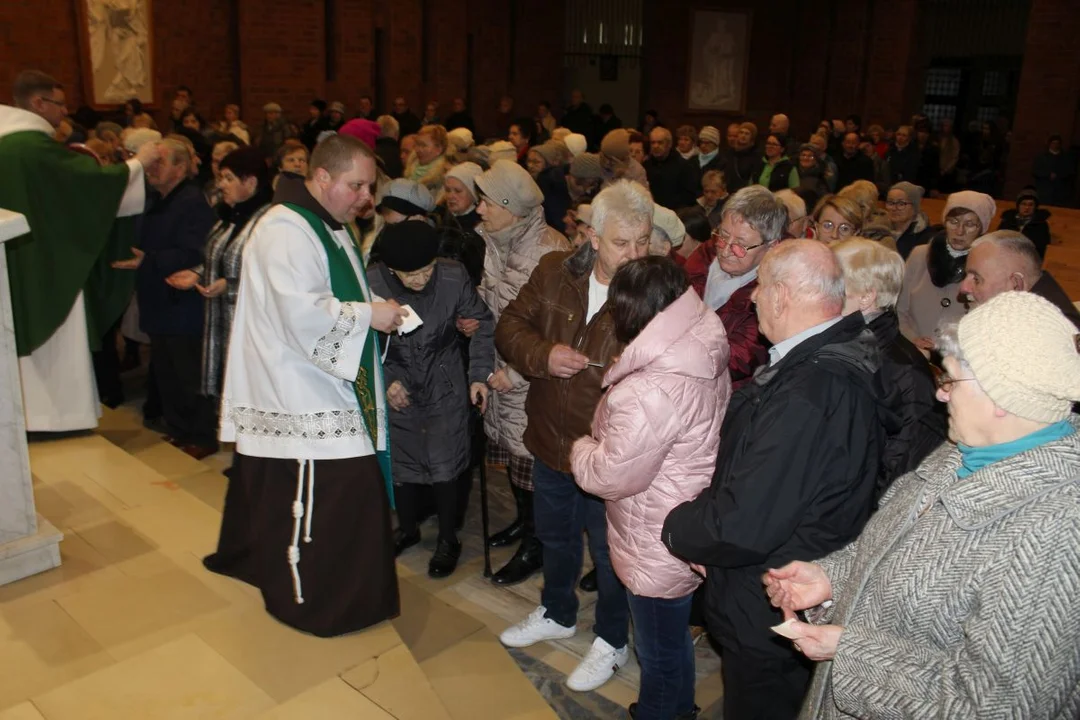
348	287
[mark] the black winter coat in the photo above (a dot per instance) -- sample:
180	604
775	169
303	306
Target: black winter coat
800	452
906	373
903	164
429	439
850	169
460	241
917	233
1037	229
674	182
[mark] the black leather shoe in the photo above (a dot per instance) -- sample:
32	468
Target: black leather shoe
444	561
403	542
528	559
588	582
509	536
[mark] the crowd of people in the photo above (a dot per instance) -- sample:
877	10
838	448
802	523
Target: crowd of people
769	394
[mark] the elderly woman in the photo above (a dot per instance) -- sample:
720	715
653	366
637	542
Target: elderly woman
723	271
906	218
714	194
1029	219
617	162
798	222
431	381
668	232
959	599
513	228
233	125
245	197
811	171
653	446
708	145
873	275
686	142
458	212
427	164
776	171
931	294
291	157
583	178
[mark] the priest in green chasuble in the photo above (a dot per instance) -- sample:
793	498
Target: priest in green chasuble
64	294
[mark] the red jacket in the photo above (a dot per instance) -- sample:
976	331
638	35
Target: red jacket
748	348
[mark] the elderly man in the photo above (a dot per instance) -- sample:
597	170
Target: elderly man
780	124
408	123
852	165
559	333
1007	260
72	205
795	476
674	182
275	129
171	238
305	403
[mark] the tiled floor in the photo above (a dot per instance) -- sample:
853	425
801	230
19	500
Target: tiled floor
132	626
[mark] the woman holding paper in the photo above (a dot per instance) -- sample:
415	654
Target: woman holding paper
961	598
654	440
429	387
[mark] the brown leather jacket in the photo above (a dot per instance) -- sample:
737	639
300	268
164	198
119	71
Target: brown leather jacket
551	310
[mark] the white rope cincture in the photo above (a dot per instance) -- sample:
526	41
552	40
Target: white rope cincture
310	500
293	553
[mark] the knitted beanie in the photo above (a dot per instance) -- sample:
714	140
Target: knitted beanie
509	185
1028	193
576	143
366	131
914	194
979	203
709	134
586	166
408	246
1025	354
616	144
466	173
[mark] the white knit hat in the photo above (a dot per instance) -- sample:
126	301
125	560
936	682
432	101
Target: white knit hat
1025	354
509	185
576	143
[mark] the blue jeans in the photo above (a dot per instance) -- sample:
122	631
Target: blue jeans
665	653
562	511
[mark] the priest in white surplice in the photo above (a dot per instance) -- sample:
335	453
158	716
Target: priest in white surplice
307	513
61	282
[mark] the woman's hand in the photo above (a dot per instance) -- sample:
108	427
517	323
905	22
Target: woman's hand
817	642
214	289
397	395
183	280
797	586
500	381
133	262
467	326
478	396
925	343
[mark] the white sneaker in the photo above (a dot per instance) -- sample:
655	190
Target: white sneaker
598	667
534	629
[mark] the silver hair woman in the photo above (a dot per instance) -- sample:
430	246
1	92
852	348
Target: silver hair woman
873	276
961	597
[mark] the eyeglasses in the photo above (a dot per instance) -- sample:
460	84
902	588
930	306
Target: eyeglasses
57	103
843	229
945	382
737	249
896	203
968	225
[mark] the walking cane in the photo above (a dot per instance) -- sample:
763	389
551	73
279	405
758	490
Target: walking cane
483	490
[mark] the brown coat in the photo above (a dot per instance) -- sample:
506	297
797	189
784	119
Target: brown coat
551	310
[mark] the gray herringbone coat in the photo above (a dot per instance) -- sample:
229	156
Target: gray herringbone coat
961	598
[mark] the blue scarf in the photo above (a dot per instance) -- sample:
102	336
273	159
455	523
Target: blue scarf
706	158
976	458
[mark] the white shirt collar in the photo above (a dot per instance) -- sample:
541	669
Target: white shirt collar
782	348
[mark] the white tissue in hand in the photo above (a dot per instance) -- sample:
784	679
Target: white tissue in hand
786	630
410	322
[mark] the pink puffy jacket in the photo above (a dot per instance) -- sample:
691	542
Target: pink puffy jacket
654	440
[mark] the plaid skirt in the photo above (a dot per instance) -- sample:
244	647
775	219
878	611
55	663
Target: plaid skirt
518	468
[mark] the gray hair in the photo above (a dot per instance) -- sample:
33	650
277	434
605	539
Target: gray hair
796	206
948	343
869	265
809	270
1019	245
628	204
388	126
761	210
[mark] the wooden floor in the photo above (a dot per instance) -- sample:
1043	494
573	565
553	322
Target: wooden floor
1063	256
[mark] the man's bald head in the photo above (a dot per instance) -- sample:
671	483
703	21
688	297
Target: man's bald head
800	285
780	123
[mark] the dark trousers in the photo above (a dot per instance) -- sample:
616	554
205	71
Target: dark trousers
409	500
665	653
759	687
176	362
107	369
562	512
